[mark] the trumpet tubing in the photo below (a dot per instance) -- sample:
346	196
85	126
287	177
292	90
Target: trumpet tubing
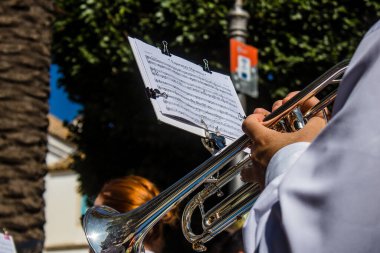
109	231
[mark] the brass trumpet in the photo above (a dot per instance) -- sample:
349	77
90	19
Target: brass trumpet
109	231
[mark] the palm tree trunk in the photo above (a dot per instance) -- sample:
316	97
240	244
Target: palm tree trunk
25	35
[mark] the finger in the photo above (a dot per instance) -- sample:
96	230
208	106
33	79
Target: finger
259	116
310	103
253	127
306	105
261	111
276	105
289	96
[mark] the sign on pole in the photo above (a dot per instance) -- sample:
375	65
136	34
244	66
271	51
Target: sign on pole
243	63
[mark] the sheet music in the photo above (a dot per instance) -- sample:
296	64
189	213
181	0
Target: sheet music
194	96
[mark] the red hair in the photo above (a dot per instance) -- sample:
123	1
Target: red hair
127	193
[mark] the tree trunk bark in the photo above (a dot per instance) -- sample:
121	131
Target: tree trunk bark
25	35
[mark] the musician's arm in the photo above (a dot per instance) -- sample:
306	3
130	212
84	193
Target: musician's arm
283	160
280	163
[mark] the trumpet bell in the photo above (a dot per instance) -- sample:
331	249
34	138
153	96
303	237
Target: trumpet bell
103	226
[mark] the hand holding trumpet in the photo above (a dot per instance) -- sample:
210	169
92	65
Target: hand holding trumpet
266	142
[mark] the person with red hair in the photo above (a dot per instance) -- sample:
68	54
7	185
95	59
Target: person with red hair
127	193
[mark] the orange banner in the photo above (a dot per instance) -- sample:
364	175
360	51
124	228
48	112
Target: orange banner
243	67
237	49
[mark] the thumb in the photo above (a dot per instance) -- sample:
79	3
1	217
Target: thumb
253	126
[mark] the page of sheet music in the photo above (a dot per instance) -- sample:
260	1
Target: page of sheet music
193	95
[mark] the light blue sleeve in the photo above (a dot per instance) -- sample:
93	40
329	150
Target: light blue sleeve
284	159
280	163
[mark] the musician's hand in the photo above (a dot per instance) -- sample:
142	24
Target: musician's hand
266	142
253	172
304	107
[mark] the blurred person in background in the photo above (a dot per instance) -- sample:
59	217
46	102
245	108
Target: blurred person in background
127	193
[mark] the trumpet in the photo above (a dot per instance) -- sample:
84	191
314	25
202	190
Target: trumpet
108	231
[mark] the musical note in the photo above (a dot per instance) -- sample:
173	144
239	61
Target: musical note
194	94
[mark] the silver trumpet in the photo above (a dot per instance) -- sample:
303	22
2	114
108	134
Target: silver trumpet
109	231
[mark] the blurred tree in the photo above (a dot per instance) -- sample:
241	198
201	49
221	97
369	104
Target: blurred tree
300	39
297	39
25	32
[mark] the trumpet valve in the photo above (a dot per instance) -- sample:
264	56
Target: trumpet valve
292	122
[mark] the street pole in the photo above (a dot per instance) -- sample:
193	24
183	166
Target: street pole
238	29
238	22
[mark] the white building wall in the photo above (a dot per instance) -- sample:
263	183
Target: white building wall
63	229
63	210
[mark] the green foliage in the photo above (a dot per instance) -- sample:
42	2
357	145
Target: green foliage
297	41
300	39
